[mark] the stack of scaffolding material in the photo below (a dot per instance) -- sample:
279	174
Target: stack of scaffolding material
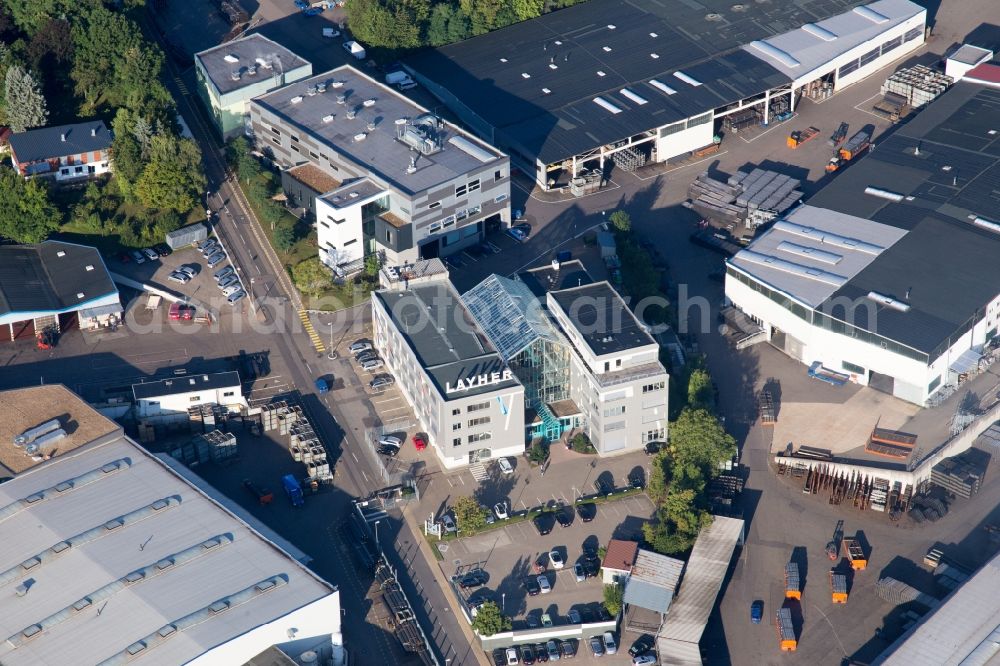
838	588
742	120
629	159
269	414
305	447
990	438
786	630
287	418
793	589
879	494
918	85
222	447
958	475
747	198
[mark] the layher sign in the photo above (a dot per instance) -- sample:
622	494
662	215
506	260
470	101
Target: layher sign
478	381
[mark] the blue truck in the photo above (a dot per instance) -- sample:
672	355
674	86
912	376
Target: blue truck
293	490
322	385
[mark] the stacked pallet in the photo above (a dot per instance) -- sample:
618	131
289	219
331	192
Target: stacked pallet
222	446
958	475
793	587
918	85
838	588
207	417
746	198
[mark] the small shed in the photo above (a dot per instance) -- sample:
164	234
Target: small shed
606	241
618	560
185	236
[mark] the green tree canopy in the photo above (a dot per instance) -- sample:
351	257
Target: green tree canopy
701	393
284	237
621	221
699	444
173	178
613	599
25	103
26	214
489	620
311	276
468	514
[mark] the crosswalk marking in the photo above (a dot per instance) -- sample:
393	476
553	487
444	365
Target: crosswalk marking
317	342
180	85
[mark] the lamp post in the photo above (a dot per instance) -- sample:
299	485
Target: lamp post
503	602
332	354
377	544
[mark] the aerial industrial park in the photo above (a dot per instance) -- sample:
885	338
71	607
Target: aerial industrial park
359	332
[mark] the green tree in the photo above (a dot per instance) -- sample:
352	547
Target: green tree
25	103
241	160
437	27
489	620
665	539
613	599
528	9
26	213
621	221
469	515
701	393
379	25
311	277
699	444
539	452
284	237
173	178
371	265
656	486
126	152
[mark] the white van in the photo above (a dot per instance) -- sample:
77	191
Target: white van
355	49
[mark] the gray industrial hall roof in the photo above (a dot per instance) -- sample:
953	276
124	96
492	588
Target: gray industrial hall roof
127	560
800	51
945	164
185	384
51	277
703	577
444	337
602	319
600	48
963	629
653	581
45	143
379	151
268	57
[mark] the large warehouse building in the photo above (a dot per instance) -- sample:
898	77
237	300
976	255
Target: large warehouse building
891	275
650	80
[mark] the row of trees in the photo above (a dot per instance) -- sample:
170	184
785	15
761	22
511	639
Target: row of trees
409	24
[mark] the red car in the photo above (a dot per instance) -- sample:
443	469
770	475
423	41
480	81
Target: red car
419	442
181	311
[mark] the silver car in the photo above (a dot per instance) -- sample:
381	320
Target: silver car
216	259
236	296
151	254
231	289
181	278
228	280
372	365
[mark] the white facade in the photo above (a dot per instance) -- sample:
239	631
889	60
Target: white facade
965	58
310	626
176	401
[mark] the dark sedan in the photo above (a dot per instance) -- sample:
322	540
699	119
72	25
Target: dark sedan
587	511
475	578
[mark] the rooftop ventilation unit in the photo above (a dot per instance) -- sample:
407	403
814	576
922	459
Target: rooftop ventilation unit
311	91
351	114
600	73
871	15
525	75
607	49
412	168
546	91
820	32
336	84
889	301
807	272
884	194
264	62
687	79
552	65
662	87
360	136
296	99
45	442
986	224
251	69
606	105
342	98
328	118
370	126
828	237
321	87
503	59
653	35
31	435
421	134
654	56
628	94
369	102
60	253
235	75
611	26
231	58
89	268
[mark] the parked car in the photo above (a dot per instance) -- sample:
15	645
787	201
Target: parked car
389	450
643	660
591	567
473	579
223	273
215	259
359	346
512	659
449	523
541	654
643	645
124	257
500	508
236	297
190	271
419	442
553	649
231	289
180	278
543	584
505	466
531	585
756	611
652	447
597	646
610	646
517	234
527	654
150	254
372	365
228	281
568	649
574	616
490	518
556	558
163	250
603	486
579	572
587	511
366	356
565	516
382	381
543	523
138	257
207	243
181	311
391	440
331	33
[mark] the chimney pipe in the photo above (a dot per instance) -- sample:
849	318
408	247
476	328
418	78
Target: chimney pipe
93	131
62	137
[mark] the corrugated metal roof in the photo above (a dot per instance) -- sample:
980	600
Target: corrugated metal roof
133	516
653	581
706	569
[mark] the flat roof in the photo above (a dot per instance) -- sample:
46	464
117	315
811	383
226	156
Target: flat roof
26	408
51	277
706	569
555	276
613	50
970	55
444	336
601	318
377	150
798	52
944	165
314	178
185	384
117	531
961	629
266	56
813	252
